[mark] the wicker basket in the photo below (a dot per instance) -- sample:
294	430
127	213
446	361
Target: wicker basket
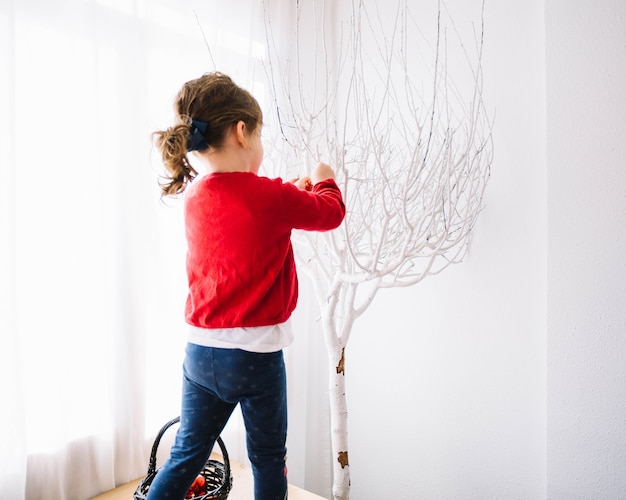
217	475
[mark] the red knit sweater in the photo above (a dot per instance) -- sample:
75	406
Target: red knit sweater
240	263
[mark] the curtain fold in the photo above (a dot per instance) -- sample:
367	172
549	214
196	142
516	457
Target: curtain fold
92	283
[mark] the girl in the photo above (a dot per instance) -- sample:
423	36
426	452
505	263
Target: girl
242	280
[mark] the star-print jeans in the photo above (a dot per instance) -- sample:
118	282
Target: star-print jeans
214	382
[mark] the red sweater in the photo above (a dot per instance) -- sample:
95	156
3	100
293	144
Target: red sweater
240	263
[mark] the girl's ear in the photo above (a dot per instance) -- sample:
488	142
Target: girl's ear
240	133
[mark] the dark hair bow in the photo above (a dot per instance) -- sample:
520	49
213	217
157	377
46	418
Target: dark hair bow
196	140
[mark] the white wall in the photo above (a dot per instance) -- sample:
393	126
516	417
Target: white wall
446	380
505	377
586	95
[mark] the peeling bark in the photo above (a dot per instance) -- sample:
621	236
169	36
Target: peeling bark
341	366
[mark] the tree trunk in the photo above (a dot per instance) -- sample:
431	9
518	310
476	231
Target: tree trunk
338	413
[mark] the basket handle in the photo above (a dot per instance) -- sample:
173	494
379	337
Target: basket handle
157	441
225	457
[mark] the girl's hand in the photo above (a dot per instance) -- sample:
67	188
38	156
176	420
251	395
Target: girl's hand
303	183
322	172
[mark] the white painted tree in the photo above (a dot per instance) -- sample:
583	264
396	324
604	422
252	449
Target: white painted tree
412	157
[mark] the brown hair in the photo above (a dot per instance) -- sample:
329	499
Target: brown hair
214	99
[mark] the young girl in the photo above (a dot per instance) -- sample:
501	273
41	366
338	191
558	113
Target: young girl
242	280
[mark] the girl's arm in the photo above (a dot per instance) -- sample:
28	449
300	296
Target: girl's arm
318	208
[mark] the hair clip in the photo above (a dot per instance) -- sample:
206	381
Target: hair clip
196	140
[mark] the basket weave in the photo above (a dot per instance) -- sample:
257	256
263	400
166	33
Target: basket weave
219	479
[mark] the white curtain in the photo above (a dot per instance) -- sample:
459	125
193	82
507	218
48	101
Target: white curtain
92	281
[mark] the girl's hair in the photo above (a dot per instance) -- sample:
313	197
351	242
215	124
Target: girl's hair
218	102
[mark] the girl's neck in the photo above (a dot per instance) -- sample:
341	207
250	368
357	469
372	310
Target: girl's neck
224	161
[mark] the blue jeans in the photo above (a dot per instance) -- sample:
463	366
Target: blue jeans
214	382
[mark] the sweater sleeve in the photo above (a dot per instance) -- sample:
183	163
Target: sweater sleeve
320	209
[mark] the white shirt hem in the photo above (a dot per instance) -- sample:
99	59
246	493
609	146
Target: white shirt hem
262	339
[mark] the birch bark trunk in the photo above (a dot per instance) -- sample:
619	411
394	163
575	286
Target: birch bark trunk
339	422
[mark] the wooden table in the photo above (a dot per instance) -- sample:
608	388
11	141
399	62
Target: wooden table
242	487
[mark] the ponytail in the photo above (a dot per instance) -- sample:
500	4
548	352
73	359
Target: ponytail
173	146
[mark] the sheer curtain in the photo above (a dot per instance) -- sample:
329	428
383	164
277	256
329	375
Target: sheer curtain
92	279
